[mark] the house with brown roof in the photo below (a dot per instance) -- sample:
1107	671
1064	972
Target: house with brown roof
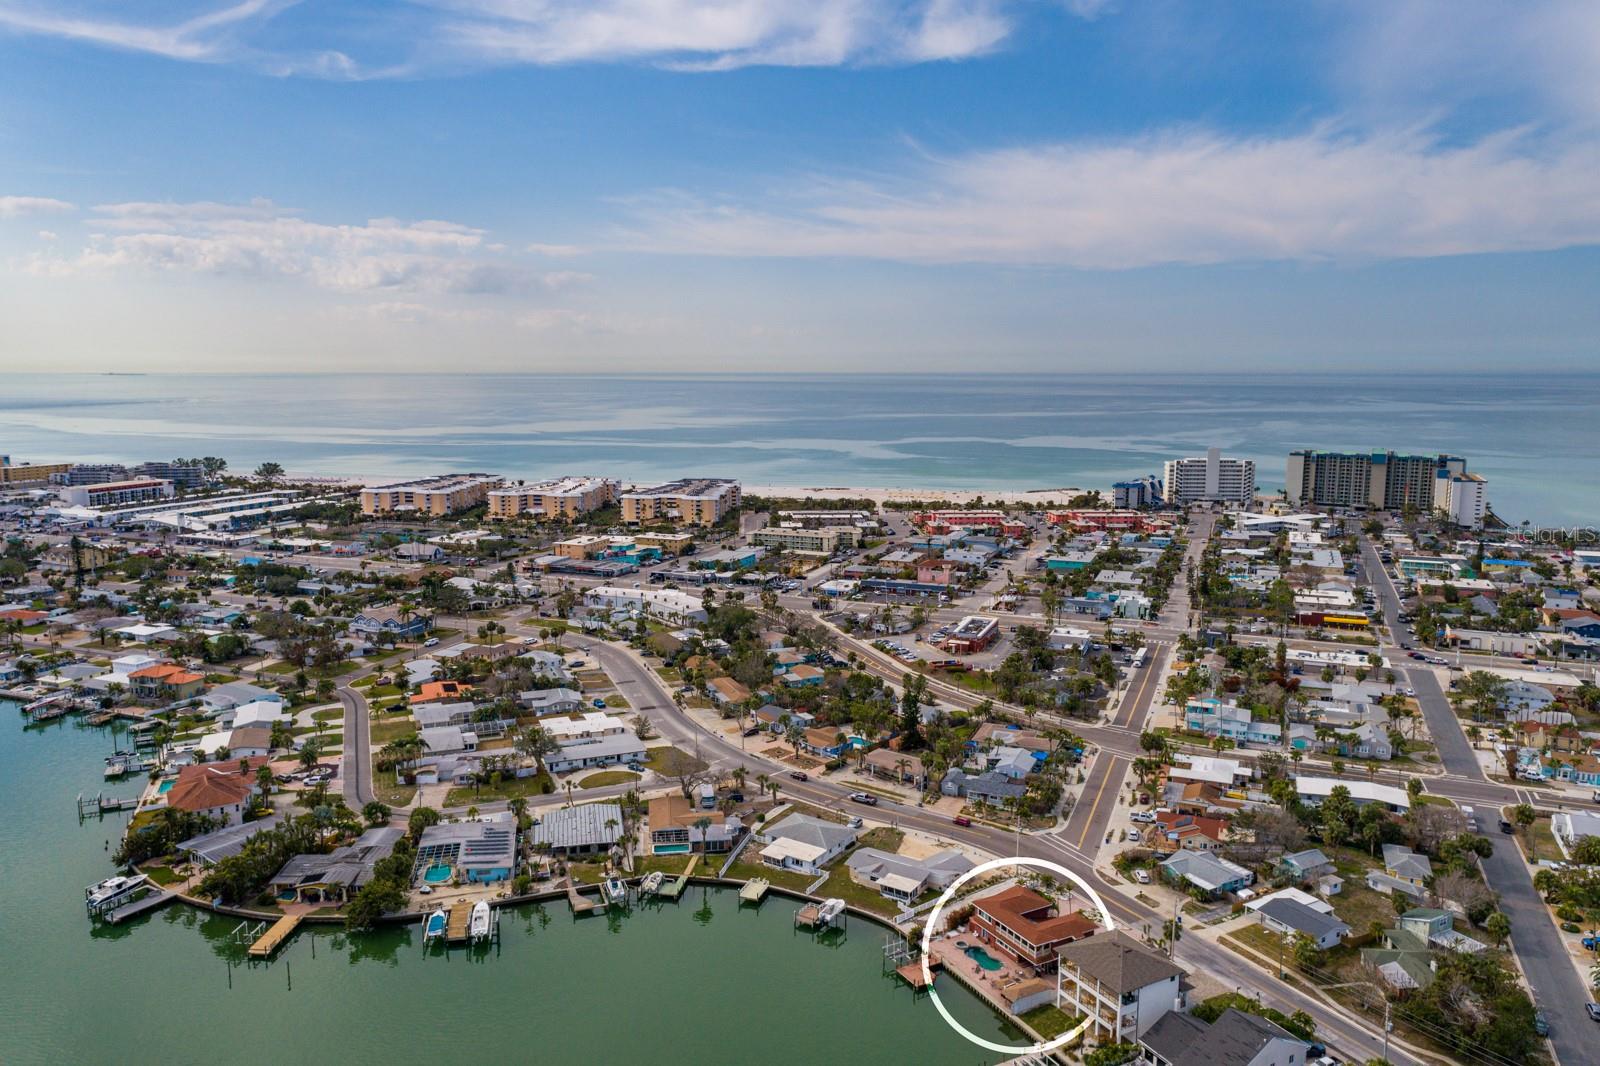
220	790
727	690
823	741
1174	831
1025	926
166	681
899	766
674	822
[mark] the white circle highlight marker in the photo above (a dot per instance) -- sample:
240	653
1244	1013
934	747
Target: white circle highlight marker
944	901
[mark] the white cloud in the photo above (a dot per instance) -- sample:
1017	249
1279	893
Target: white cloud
1186	198
206	36
456	34
18	206
261	239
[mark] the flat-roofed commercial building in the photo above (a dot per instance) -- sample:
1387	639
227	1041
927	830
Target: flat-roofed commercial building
435	496
828	539
29	473
688	502
1211	478
114	493
588	546
566	497
665	543
972	634
1378	481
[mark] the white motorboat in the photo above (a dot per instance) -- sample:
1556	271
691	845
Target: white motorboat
482	921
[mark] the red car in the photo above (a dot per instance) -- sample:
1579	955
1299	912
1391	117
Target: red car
962	820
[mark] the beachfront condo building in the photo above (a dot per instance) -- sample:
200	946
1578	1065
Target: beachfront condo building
115	493
434	496
1376	481
566	497
688	502
1211	478
1463	498
28	473
1138	493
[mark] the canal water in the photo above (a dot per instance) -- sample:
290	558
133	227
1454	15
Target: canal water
700	982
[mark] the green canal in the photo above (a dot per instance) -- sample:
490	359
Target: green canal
701	982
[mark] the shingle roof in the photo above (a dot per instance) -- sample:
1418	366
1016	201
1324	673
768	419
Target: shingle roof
1119	962
1302	919
1234	1039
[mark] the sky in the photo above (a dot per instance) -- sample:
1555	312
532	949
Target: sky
791	185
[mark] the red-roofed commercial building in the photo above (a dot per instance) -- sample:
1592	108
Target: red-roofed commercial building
945	521
166	681
220	790
1024	925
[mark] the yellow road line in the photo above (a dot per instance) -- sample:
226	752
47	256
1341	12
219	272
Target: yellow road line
1098	796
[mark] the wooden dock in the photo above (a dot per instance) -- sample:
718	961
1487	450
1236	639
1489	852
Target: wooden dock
139	906
754	890
458	922
579	904
273	938
911	972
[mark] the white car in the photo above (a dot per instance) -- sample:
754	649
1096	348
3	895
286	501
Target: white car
1133	836
431	642
1142	876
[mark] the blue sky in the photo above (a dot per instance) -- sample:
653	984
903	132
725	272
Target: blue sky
792	184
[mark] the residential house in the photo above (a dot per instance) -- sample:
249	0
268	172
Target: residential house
1214	718
1236	1038
387	621
1404	871
727	690
823	741
249	741
582	830
543	701
1014	764
440	691
1123	987
677	825
222	791
903	878
1290	917
1313	790
226	697
208	849
904	767
591	725
434	715
1570	827
602	751
338	875
803	676
1026	926
1305	865
801	842
990	788
447	740
1211	874
167	682
483	851
1177	831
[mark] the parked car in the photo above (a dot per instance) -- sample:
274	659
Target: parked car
864	797
431	642
855	822
752	731
1133	835
1506	827
962	819
1541	1024
1593	1009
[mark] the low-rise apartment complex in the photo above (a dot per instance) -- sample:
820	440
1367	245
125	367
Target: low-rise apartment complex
115	493
566	497
434	496
687	502
828	539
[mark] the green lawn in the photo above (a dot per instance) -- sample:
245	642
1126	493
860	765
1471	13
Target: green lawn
389	789
389	729
745	871
883	838
840	884
608	777
1048	1021
161	875
657	759
511	788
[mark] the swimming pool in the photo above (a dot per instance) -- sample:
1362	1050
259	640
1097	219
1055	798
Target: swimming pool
166	786
671	849
984	960
436	874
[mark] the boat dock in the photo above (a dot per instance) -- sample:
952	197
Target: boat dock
100	803
754	890
459	923
271	940
911	973
829	914
140	906
579	904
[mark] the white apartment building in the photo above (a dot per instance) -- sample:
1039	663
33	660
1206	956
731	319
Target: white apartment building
1122	986
115	493
1210	478
1463	498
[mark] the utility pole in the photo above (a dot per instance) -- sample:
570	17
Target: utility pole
1386	1028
